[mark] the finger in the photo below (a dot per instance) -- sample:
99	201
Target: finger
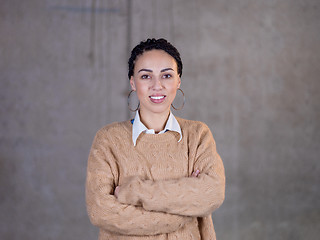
116	191
195	173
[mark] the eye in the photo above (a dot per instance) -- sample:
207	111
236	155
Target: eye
167	76
145	76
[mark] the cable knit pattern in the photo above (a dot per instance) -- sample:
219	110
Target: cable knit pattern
158	198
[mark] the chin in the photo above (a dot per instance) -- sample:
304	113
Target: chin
158	110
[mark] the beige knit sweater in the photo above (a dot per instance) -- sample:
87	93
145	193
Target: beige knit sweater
158	198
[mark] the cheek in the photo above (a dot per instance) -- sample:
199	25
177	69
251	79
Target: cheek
174	93
174	88
142	90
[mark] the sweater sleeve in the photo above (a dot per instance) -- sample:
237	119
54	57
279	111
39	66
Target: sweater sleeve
107	213
188	196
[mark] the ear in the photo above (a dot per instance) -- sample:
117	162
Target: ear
179	83
133	86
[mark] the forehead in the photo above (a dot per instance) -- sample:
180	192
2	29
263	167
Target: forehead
155	59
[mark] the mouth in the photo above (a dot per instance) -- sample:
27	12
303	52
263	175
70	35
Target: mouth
157	99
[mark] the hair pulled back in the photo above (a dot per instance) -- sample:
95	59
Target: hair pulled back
150	44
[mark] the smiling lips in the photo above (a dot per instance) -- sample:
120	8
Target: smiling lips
157	99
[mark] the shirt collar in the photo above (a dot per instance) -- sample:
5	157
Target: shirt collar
138	127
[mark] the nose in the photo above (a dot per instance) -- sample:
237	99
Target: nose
157	84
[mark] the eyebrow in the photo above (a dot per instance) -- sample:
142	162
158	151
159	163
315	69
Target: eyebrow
166	69
149	70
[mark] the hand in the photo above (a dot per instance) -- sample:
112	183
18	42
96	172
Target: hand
116	191
195	173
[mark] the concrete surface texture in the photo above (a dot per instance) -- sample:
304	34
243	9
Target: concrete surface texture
251	72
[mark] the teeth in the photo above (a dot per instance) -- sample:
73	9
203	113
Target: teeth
157	97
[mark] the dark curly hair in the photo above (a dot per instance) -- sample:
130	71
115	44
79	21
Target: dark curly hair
150	44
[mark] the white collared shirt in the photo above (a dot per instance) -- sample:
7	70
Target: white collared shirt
138	127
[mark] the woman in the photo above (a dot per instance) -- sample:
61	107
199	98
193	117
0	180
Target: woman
156	176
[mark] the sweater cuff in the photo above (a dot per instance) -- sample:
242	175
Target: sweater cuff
128	193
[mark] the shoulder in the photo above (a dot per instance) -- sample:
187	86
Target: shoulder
196	133
115	128
192	125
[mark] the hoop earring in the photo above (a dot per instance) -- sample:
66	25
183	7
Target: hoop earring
184	100
128	100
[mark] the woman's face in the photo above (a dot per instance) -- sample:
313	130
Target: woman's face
156	80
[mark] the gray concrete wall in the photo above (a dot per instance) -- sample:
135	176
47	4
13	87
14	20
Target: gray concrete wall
251	72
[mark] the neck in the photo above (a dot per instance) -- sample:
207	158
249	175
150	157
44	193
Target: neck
154	121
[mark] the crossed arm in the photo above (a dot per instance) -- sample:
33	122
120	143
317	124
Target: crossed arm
147	207
106	212
196	196
194	174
